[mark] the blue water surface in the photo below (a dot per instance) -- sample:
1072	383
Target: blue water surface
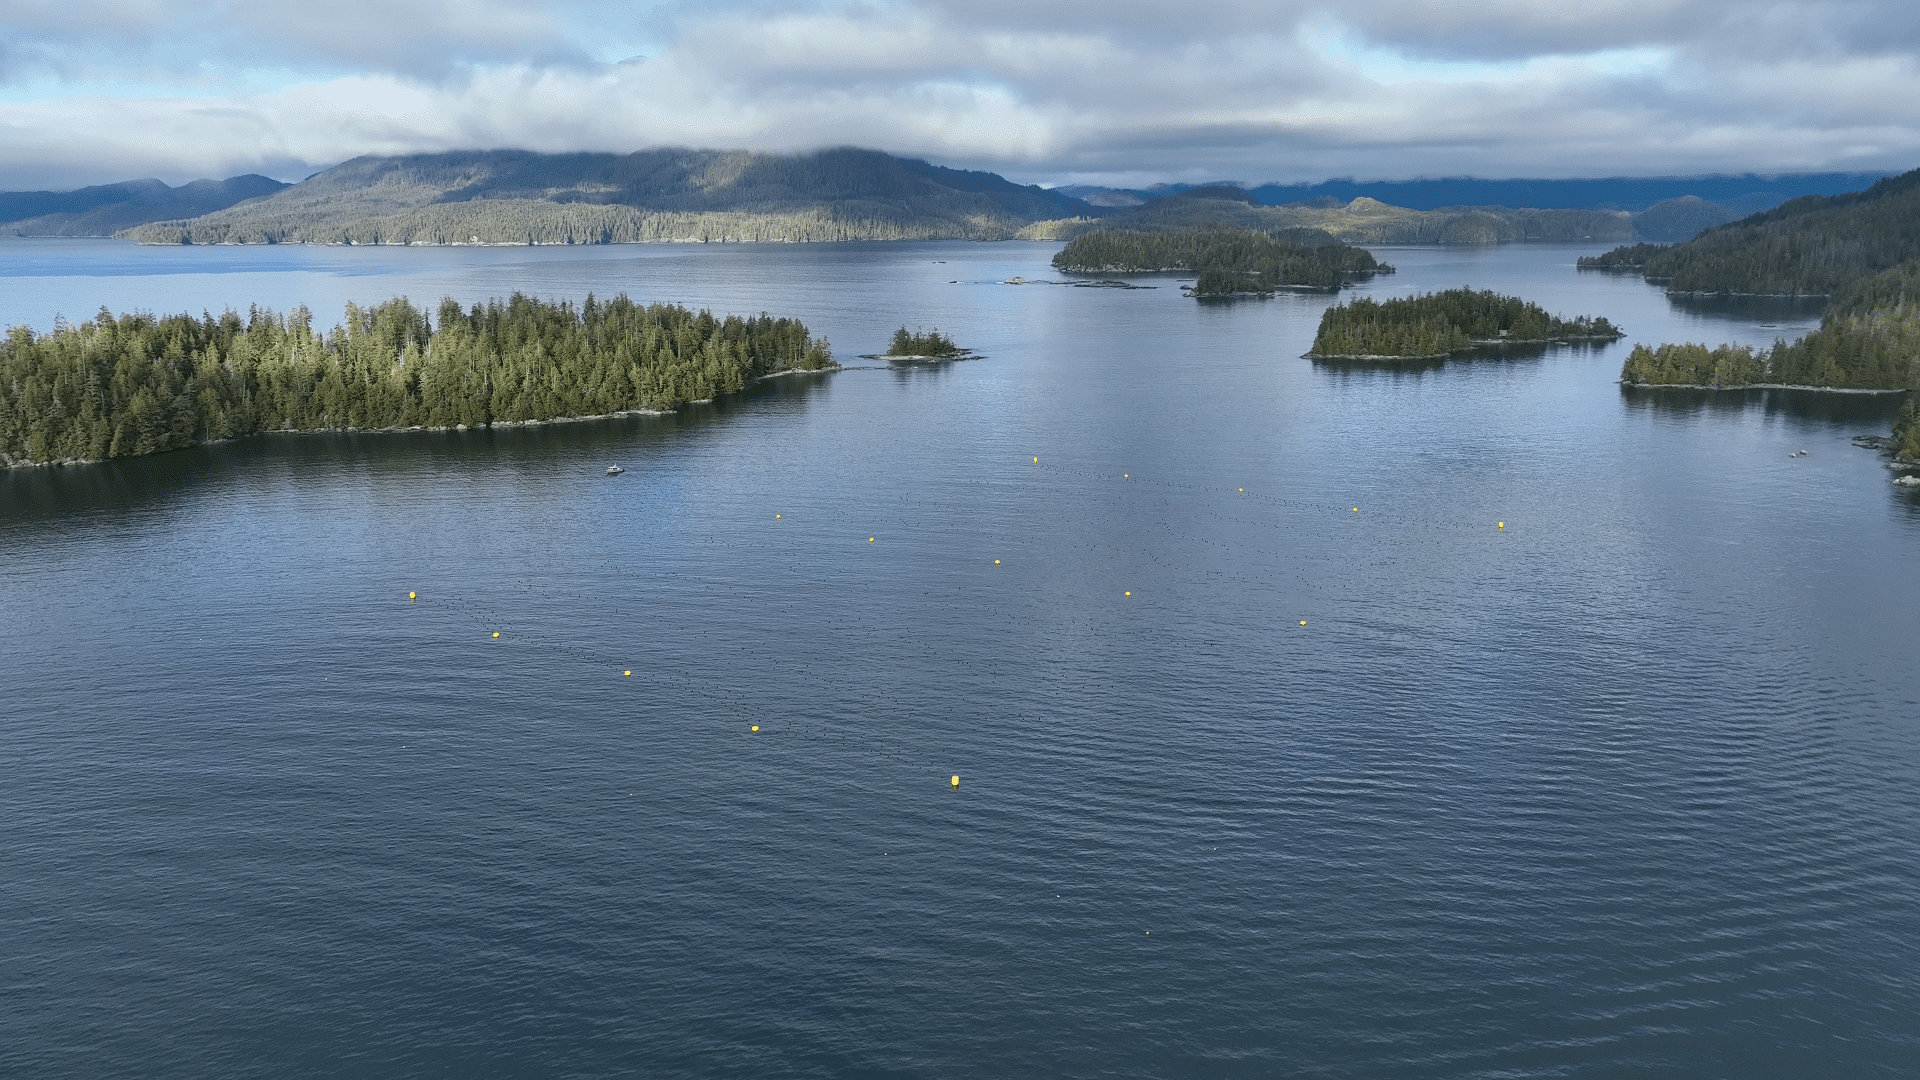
1467	720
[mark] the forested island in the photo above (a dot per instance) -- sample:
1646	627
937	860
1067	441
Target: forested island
135	384
1228	260
1438	324
930	345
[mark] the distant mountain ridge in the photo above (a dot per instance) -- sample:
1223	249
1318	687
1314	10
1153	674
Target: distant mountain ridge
521	197
1362	221
106	209
1743	194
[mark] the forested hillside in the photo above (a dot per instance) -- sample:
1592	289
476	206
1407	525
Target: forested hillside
1868	339
518	197
1812	246
109	208
1436	324
1232	259
134	384
1862	249
1362	221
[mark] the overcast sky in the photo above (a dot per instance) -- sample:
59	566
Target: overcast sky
1046	91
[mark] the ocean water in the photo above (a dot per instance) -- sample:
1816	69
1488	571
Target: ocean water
1279	756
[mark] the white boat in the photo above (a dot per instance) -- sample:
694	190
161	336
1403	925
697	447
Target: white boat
614	470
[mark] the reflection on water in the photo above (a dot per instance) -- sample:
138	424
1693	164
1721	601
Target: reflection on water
1762	310
1872	413
57	496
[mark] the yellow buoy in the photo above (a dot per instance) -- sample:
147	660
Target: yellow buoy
1502	524
410	596
628	674
956	780
776	517
996	562
1243	489
1129	593
1126	476
496	633
1356	509
1036	461
756	727
869	539
1303	622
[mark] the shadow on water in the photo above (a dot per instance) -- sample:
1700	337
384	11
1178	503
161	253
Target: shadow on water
1870	413
1755	309
905	371
56	496
1483	356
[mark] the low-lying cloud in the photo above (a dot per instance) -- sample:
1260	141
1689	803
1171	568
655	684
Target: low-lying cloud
96	90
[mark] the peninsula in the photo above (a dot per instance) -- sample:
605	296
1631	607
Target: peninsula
1439	324
135	384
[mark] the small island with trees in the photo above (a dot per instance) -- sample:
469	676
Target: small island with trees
134	384
1229	261
908	345
1435	325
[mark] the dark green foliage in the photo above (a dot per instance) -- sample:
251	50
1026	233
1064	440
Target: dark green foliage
1906	432
1815	245
1435	324
116	387
931	343
1869	339
1695	365
1299	257
1625	257
1229	283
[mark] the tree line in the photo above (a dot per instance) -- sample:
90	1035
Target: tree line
1267	261
1435	324
136	384
1625	257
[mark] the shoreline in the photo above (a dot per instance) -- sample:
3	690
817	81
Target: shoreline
1761	386
10	463
1469	347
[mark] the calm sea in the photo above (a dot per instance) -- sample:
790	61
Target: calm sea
1278	757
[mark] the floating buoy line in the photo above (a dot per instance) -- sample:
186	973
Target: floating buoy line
501	620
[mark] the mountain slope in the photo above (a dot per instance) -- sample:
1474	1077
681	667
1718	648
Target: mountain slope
1811	246
109	208
519	197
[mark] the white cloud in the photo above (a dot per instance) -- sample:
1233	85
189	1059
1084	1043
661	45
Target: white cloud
107	89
